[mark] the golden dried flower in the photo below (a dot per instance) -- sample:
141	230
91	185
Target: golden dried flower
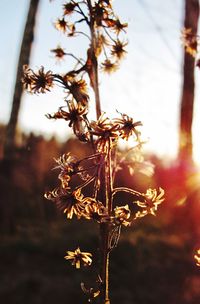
58	52
106	2
118	49
190	41
72	30
100	13
94	210
118	26
61	25
128	126
69	202
197	257
79	258
69	7
90	292
106	131
68	166
108	66
39	82
75	116
151	201
78	88
26	79
122	214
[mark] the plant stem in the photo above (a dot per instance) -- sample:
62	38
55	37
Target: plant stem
106	176
105	231
95	75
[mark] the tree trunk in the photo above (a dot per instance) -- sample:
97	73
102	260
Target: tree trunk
187	100
7	165
24	58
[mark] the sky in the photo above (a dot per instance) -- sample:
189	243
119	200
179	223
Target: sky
147	86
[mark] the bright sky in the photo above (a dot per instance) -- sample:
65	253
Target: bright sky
146	87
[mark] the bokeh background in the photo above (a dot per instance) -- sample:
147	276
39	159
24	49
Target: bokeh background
154	260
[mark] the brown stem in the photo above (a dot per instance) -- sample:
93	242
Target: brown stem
94	72
105	175
105	228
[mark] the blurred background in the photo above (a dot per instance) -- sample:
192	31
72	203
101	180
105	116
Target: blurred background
157	83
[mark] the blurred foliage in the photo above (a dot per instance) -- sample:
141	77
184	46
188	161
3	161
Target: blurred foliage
154	259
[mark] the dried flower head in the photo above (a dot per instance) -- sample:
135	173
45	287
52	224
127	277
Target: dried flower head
108	66
68	166
106	131
190	41
61	25
78	88
118	50
69	202
151	201
75	116
90	292
79	258
72	30
122	214
94	210
39	82
59	53
118	26
197	257
69	7
100	13
26	79
128	126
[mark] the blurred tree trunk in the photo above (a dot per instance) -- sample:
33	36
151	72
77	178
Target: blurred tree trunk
8	164
24	58
187	100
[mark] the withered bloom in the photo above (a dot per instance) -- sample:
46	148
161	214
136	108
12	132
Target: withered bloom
94	210
108	66
118	26
68	166
106	2
69	7
26	79
197	257
39	82
100	13
105	130
71	203
75	116
118	50
151	201
58	52
61	25
78	88
122	215
190	41
128	126
72	30
79	258
90	292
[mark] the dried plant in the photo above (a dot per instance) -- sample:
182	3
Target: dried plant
197	257
97	171
191	44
